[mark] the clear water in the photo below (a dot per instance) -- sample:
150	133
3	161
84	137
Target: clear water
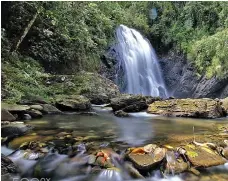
138	62
140	128
136	130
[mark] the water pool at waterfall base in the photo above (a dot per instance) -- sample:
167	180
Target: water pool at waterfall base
70	142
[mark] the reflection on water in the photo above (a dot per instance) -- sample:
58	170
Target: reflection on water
135	130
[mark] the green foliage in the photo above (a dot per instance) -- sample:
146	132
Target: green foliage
210	54
23	76
198	29
89	26
71	36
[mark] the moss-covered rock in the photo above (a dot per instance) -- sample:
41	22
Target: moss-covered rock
198	108
73	103
201	156
15	107
98	89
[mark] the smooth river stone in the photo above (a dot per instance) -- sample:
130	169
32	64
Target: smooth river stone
204	157
147	161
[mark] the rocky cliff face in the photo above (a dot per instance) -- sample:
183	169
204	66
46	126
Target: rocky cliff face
181	80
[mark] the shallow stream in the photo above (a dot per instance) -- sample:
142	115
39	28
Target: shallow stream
106	130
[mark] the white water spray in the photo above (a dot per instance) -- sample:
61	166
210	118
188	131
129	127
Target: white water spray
137	59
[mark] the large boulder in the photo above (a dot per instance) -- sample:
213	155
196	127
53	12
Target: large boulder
49	109
18	111
198	108
73	103
7	116
35	113
132	103
14	129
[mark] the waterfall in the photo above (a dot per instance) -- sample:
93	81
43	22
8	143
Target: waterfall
137	64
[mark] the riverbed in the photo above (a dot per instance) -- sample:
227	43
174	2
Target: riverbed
104	130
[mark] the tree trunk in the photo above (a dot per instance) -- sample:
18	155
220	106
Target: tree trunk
25	32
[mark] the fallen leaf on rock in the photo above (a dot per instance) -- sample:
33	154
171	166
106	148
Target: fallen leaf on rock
139	150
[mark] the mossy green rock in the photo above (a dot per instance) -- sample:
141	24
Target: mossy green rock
73	103
15	107
98	89
198	108
200	156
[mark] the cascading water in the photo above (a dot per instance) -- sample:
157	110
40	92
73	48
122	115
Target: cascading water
137	64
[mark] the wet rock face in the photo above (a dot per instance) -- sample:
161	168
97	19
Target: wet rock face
7	166
213	87
198	108
178	76
73	103
132	103
181	79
